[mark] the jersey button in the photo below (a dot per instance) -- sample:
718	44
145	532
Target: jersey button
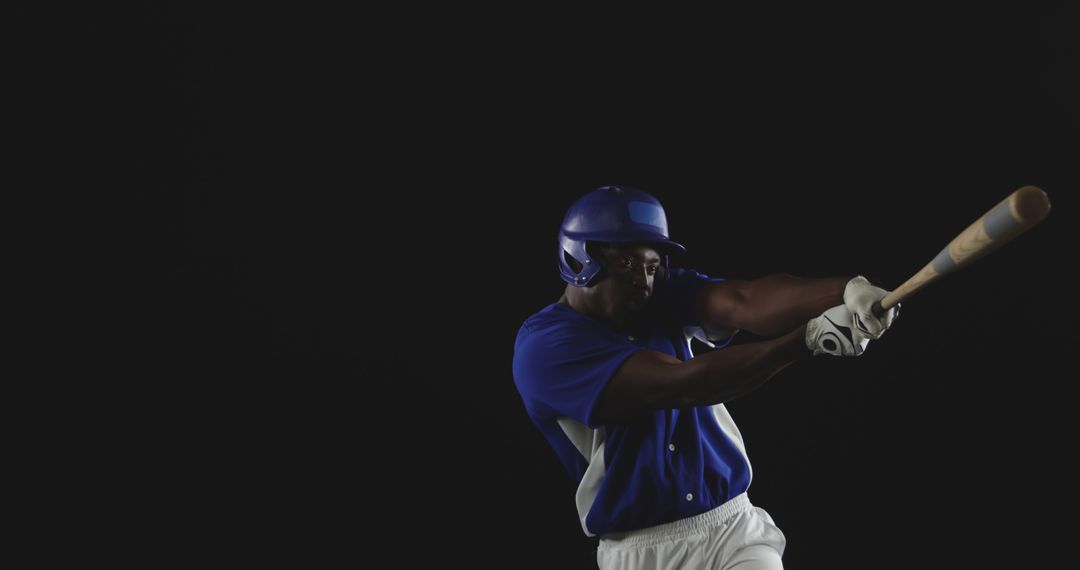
671	447
689	496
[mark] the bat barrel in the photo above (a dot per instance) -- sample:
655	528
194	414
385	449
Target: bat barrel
1028	206
1011	217
1021	210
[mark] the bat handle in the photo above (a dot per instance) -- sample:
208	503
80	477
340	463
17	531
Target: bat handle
877	309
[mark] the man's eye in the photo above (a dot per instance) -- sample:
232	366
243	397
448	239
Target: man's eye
628	262
652	270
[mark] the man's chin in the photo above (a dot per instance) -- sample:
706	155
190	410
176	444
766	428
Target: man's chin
633	310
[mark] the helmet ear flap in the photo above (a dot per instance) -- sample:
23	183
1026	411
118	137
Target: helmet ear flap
573	263
591	249
576	263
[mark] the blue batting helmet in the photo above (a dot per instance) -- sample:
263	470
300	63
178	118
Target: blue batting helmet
614	214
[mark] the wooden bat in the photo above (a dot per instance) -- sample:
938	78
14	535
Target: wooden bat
1011	217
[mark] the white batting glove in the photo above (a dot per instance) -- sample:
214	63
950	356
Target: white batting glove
859	296
834	333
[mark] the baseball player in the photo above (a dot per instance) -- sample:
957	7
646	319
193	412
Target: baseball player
607	375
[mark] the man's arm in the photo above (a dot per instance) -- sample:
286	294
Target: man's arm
768	306
651	380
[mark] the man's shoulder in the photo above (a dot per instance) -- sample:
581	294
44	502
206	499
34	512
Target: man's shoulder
560	325
554	315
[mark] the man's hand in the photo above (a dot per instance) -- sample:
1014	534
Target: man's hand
834	333
859	296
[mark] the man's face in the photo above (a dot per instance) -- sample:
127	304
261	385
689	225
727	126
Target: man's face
628	283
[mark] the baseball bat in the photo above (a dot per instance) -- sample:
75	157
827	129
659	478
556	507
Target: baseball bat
1011	217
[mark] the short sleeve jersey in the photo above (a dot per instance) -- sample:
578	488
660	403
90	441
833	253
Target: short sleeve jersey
660	467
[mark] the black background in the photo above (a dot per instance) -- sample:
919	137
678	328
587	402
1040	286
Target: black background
360	209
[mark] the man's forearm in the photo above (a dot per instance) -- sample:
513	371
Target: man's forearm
723	375
775	304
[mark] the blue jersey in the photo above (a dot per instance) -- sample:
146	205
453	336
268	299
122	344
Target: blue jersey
663	466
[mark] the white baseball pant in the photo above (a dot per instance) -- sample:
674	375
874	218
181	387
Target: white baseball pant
733	536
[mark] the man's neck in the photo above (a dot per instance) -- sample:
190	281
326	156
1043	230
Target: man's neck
577	300
574	299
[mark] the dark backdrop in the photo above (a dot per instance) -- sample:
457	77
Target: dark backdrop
361	209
